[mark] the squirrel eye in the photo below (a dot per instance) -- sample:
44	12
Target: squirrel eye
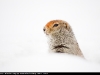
55	25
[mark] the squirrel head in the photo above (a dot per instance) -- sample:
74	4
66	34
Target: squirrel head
54	26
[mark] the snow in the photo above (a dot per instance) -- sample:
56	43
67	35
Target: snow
51	63
23	45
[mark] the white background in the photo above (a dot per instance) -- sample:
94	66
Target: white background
23	45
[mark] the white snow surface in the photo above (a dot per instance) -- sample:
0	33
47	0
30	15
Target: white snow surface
23	44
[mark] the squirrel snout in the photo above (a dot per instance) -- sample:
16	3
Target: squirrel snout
44	29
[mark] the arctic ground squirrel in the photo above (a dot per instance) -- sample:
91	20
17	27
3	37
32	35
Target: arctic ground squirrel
61	38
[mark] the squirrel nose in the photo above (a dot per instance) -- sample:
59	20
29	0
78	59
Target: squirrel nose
43	29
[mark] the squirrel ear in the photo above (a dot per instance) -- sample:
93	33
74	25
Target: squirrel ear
67	26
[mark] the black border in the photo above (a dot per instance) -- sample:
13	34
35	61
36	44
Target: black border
38	73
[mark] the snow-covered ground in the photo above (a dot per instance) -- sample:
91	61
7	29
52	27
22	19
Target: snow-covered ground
23	45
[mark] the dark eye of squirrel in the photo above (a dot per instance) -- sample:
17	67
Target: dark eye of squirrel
55	25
